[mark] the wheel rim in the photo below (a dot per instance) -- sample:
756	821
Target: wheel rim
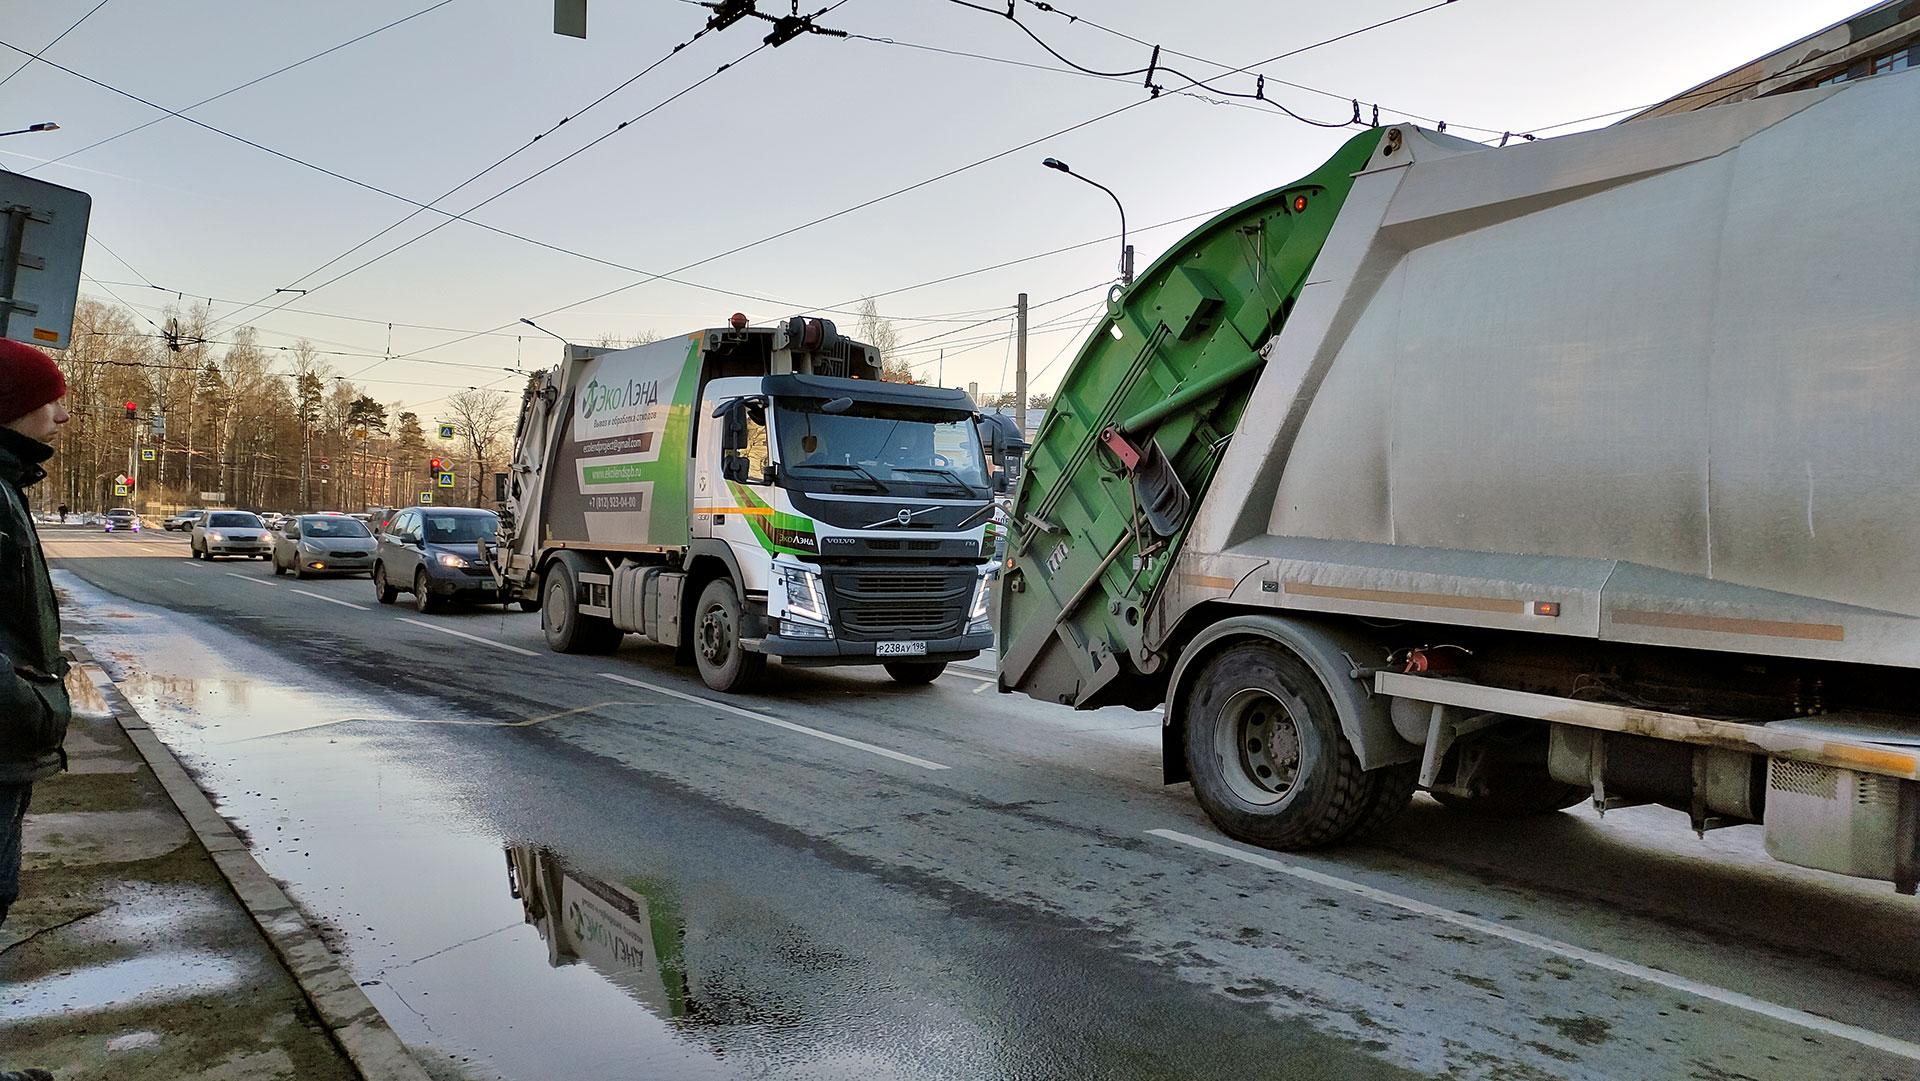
716	635
422	596
1258	741
554	610
380	579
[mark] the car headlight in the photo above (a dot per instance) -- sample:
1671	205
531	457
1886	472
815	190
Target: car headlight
806	598
212	536
448	559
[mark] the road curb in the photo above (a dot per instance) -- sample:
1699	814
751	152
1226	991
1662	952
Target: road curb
351	1019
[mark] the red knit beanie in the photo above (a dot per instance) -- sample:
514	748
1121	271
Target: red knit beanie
29	379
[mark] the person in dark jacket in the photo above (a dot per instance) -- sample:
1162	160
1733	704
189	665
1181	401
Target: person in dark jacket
33	697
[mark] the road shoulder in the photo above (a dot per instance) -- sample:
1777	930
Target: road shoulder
127	955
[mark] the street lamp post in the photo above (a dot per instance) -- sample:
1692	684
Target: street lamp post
48	126
1126	249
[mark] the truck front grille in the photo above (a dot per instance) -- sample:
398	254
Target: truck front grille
872	604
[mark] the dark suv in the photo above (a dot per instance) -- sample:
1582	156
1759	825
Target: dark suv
432	553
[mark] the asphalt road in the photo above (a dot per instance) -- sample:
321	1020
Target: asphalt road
844	878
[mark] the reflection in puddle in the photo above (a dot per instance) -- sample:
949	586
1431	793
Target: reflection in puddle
634	941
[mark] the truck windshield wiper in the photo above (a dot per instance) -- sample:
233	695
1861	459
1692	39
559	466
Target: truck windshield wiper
845	467
948	473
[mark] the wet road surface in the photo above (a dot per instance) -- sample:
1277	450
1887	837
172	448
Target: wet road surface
592	867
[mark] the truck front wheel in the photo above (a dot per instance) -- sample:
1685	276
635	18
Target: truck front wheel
913	673
1269	762
567	630
725	665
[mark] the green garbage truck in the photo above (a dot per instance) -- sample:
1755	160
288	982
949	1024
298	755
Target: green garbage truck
1582	469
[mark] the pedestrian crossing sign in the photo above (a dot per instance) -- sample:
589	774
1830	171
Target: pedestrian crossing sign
147	454
446	478
426	497
446	431
119	489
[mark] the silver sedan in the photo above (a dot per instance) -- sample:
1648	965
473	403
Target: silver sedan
322	544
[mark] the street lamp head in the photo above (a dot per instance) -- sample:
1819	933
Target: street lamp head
1056	163
48	126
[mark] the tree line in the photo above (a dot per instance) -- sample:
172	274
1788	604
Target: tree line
241	424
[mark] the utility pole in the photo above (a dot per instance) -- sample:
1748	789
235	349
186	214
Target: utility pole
1020	365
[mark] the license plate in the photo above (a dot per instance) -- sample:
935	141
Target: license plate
899	649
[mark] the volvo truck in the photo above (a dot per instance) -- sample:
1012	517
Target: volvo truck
1585	469
744	493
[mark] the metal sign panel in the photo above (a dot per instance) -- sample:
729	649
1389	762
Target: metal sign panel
43	234
120	489
147	454
426	497
446	431
445	479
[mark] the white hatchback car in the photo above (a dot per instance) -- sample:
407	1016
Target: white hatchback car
230	533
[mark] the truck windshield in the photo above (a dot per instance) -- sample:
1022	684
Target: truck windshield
886	443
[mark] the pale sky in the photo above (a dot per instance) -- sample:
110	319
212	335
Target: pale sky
789	135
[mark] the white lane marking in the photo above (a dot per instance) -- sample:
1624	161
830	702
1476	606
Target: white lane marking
776	722
956	670
330	600
251	578
1893	1045
469	637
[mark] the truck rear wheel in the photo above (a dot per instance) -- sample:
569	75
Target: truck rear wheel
1269	762
725	664
567	630
913	673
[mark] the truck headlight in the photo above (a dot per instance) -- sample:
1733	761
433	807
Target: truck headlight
806	598
982	594
448	559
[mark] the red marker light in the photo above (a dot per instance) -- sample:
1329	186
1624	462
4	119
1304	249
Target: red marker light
1299	203
738	321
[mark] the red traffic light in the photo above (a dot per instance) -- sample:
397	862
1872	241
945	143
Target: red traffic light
435	464
132	409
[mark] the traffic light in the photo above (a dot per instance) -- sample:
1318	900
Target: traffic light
133	410
435	465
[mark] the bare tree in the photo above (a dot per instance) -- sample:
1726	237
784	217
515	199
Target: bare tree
480	419
879	333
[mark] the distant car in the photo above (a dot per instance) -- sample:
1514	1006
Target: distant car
323	544
121	518
182	521
432	553
230	533
272	519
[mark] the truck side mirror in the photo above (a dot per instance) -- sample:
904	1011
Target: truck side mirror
1000	482
735	468
500	488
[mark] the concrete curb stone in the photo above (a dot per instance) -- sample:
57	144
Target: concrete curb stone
350	1018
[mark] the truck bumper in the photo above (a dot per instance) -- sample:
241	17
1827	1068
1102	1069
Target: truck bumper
825	651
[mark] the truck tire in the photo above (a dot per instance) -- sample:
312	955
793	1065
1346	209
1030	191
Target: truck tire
1393	788
914	673
725	665
566	629
1269	762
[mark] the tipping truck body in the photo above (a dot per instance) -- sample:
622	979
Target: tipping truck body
1583	469
744	493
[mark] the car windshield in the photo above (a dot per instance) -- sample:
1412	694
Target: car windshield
234	520
888	443
455	528
332	528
